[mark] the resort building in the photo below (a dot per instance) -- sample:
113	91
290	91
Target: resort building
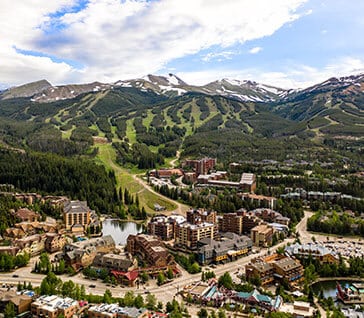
187	234
316	251
230	247
54	306
115	311
231	222
262	235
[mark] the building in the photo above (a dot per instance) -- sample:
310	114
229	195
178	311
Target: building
81	254
231	222
261	269
260	200
21	302
202	166
120	262
318	252
200	216
114	310
271	216
247	182
54	306
32	245
275	267
262	235
288	269
299	309
26	215
250	220
187	234
230	247
54	242
77	215
150	249
164	226
168	173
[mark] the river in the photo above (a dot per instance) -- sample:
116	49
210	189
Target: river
120	230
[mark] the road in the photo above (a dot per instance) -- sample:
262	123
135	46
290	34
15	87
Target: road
164	294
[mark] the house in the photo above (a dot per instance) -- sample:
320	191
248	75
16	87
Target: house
26	215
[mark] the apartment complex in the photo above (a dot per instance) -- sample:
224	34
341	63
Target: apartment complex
231	222
275	267
262	235
54	242
202	166
54	306
150	249
200	216
81	254
165	226
228	248
119	262
318	252
187	234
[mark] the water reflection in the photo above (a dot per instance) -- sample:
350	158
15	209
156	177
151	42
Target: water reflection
120	230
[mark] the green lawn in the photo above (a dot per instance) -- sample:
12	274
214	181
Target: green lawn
125	179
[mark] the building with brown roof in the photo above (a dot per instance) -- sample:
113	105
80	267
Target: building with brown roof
21	302
231	222
168	173
54	242
202	166
288	269
262	235
194	216
32	245
263	270
260	200
120	262
150	249
76	214
26	215
247	182
115	311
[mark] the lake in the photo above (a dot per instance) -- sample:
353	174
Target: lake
329	287
120	230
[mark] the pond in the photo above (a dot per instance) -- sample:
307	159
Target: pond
120	230
329	287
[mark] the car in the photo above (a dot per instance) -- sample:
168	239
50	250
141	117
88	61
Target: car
15	276
146	292
92	286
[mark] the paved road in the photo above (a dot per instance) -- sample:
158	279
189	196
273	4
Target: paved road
164	294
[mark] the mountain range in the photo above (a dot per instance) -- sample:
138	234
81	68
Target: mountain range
325	113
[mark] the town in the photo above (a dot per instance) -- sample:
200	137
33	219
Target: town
242	262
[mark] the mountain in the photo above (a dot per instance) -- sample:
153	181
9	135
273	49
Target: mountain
27	90
169	86
166	113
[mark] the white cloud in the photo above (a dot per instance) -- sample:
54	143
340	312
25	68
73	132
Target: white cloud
219	56
255	50
296	76
116	39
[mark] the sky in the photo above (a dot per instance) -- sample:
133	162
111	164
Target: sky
284	43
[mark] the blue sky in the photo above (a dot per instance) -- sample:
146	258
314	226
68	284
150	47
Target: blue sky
286	43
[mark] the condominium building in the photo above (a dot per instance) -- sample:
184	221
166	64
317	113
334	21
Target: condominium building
165	226
54	306
316	251
187	234
262	235
150	249
54	242
202	166
200	216
228	248
231	222
288	269
275	267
